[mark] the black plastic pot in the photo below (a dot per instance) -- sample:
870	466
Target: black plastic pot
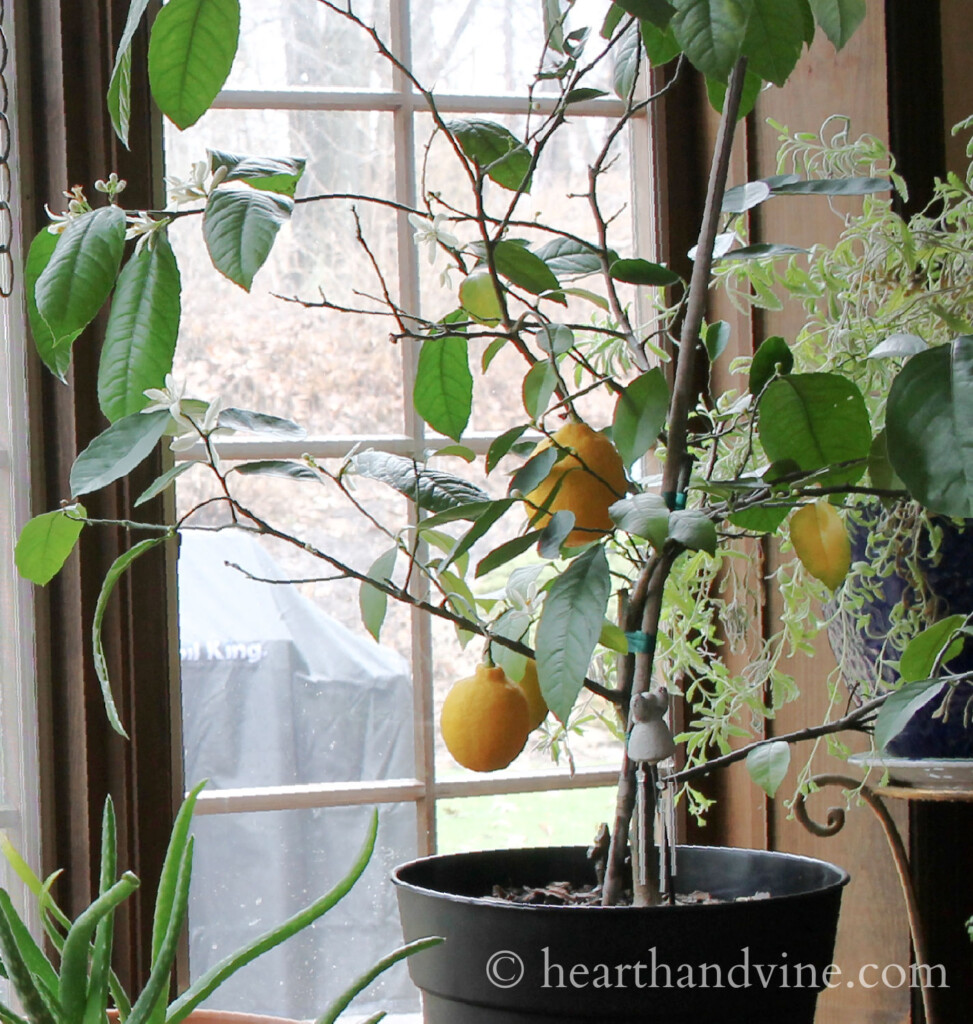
762	960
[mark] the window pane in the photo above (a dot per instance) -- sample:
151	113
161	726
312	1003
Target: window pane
293	43
565	818
251	871
329	371
479	47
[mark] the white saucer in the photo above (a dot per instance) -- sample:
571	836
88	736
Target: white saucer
927	773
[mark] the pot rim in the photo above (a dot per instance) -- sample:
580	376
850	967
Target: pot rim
836	884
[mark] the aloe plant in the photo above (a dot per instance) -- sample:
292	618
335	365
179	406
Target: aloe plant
81	987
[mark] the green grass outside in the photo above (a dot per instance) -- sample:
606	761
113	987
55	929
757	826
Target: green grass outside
564	818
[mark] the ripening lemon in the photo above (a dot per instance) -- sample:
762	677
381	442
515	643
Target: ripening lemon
485	720
821	542
479	297
531	688
586	482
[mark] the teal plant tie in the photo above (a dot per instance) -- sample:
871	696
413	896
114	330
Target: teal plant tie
640	642
675	500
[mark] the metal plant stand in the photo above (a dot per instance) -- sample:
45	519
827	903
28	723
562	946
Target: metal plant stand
836	822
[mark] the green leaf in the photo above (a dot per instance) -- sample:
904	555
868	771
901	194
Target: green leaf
140	339
240	226
899	707
533	471
753	85
506	551
502	445
46	541
207	983
284	469
555	533
191	51
838	18
768	764
658	12
471	512
79	276
643	272
267	173
920	657
555	339
340	1004
260	423
567	258
758	519
456	451
775	38
711	33
582	95
480	527
162	482
815	420
640	415
372	602
772	357
569	627
117	451
430	489
612	637
120	87
716	338
929	425
661	45
762	251
832	187
56	357
880	469
643	515
495	150
741	198
693	529
513	624
443	391
540	382
524	269
114	574
627	53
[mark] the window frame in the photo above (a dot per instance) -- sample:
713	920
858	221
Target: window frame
404	104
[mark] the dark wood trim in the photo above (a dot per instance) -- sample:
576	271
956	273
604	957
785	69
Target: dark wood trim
917	134
68	54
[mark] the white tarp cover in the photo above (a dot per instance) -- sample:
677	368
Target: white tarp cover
275	692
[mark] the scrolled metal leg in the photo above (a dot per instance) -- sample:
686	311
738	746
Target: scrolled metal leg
835	823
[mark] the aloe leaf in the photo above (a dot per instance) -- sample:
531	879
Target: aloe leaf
104	933
43	972
72	992
335	1010
152	1000
21	978
216	975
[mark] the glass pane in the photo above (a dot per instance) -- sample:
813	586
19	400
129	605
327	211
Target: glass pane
251	349
478	47
558	198
281	684
564	818
252	871
293	43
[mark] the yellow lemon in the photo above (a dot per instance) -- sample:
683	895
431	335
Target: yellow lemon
485	720
821	542
587	482
532	691
478	297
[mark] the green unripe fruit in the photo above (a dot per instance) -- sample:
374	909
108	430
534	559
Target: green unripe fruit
479	298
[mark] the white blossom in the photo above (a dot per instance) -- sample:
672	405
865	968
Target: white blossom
170	399
431	234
